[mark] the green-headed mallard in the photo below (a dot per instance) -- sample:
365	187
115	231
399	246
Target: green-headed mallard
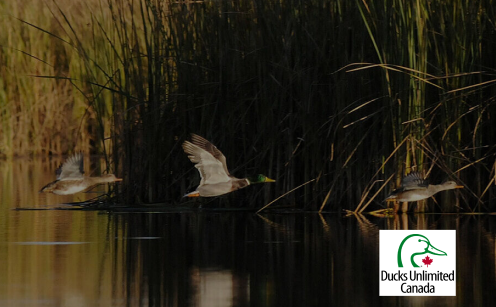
211	163
70	178
414	187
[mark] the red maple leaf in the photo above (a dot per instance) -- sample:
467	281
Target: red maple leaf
427	261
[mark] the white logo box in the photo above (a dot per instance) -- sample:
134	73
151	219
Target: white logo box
417	262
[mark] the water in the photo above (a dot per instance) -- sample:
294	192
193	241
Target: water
208	257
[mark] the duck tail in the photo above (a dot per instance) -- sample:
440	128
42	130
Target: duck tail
391	197
48	188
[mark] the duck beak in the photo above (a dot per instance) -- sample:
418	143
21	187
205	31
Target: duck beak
458	187
269	180
431	249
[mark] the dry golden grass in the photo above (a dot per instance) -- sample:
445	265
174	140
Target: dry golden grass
340	95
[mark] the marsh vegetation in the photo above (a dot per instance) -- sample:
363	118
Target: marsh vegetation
346	96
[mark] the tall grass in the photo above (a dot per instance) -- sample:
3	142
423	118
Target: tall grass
344	93
38	115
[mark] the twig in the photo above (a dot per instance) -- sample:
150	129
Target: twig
284	195
374	196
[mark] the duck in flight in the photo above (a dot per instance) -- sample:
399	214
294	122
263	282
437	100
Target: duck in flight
71	179
211	164
414	187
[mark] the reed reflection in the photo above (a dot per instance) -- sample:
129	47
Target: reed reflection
207	257
240	259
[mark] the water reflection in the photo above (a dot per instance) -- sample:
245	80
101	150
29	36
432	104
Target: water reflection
218	258
71	258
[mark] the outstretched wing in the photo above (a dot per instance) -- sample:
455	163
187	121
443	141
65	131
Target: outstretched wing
209	147
414	181
72	168
209	161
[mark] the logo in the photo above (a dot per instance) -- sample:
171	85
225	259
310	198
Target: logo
428	249
417	262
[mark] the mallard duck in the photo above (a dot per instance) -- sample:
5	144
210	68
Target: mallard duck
70	178
211	164
414	187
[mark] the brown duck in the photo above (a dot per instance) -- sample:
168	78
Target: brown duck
414	187
211	163
70	178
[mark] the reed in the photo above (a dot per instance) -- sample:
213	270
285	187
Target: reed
298	90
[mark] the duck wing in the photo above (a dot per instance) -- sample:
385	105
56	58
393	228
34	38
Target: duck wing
413	181
209	161
209	147
72	168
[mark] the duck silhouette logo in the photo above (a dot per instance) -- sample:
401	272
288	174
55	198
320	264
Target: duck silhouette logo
415	245
417	262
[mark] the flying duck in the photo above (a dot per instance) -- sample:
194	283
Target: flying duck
211	164
414	187
70	178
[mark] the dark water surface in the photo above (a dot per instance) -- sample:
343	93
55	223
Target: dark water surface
209	257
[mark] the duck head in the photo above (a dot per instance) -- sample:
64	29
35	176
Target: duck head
415	245
259	179
450	185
